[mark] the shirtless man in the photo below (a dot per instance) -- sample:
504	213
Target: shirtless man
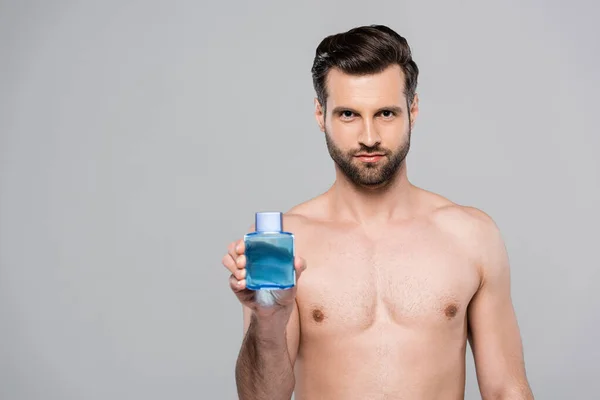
398	278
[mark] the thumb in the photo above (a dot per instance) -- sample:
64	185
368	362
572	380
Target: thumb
299	266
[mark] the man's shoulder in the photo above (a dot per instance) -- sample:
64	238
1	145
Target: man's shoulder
473	231
306	213
468	224
463	217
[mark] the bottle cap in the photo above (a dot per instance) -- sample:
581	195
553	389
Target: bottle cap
269	221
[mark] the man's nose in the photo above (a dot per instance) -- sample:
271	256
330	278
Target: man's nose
369	135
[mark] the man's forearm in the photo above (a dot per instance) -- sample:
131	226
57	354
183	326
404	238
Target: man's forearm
263	369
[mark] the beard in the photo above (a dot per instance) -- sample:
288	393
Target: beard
369	174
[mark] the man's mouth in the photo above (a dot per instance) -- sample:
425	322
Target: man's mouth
369	157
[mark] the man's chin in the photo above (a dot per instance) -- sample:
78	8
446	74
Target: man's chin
372	182
376	185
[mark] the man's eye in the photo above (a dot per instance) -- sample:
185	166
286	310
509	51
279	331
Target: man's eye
347	114
387	113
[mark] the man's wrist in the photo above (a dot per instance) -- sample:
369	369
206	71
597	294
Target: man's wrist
270	325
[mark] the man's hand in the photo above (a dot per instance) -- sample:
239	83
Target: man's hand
261	302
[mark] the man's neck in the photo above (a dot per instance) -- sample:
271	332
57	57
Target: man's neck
367	206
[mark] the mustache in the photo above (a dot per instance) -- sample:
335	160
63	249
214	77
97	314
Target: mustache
370	150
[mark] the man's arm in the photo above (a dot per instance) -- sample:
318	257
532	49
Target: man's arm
265	365
493	330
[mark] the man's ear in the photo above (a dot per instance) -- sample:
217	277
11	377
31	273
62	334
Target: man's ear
320	115
414	110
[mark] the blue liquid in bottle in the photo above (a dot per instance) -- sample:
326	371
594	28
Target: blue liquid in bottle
269	254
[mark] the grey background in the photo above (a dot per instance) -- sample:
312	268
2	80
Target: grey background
138	139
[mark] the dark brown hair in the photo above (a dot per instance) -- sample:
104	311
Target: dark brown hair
364	50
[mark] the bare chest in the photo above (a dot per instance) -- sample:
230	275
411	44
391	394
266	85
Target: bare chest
418	280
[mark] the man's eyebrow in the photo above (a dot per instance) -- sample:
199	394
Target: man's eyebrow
339	109
396	109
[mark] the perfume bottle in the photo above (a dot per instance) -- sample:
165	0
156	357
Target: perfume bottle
269	254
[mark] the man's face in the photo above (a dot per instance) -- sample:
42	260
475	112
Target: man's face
367	124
